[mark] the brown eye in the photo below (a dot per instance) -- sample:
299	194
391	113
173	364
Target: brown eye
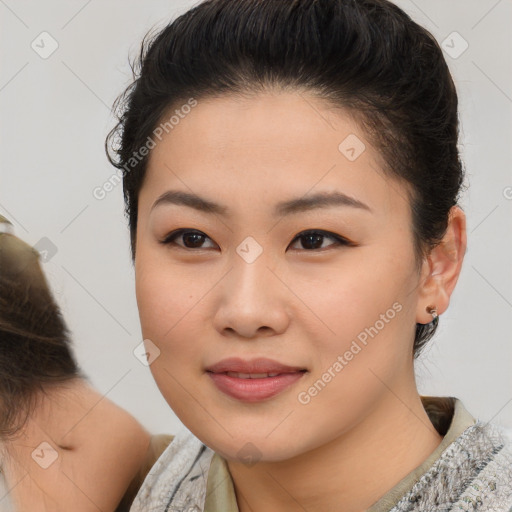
191	239
313	240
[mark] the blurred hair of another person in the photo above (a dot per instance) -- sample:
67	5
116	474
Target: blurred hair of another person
63	445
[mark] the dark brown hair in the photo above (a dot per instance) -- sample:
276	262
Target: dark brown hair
35	351
367	57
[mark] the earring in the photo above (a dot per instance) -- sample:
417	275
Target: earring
433	311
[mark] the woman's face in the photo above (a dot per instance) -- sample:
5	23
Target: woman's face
243	280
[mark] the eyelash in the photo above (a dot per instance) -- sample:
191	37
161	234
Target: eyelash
339	240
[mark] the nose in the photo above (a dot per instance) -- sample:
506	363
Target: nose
252	300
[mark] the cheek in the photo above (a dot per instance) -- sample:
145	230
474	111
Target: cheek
169	303
364	309
158	288
356	293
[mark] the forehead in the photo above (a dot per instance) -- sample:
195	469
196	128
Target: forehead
272	145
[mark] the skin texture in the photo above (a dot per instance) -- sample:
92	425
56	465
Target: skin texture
100	448
302	306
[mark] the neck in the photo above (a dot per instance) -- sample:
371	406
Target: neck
355	469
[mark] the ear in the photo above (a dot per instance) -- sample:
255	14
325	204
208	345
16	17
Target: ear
441	269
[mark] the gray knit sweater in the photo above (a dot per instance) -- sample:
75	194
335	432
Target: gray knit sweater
473	473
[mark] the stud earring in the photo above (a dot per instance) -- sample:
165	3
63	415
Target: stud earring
433	311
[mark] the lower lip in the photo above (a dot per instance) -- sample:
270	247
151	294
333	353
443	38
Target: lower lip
254	390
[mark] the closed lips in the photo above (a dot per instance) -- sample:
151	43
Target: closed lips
254	375
253	368
254	380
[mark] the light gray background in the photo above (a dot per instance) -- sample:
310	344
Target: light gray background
55	114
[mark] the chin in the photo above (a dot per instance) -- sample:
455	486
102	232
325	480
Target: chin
249	447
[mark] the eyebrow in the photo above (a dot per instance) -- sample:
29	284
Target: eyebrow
284	208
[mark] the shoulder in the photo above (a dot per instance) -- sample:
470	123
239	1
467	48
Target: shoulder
474	472
178	476
483	458
157	445
490	488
